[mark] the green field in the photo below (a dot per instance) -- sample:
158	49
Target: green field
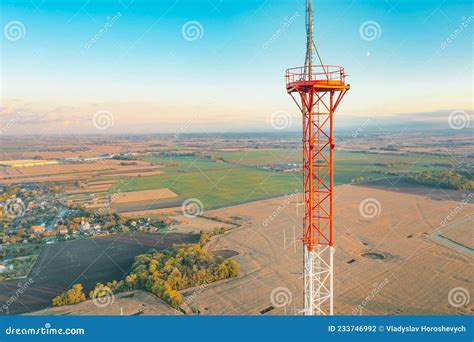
260	157
348	165
275	156
227	178
215	184
186	164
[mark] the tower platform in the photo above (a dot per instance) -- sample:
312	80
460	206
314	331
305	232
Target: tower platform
318	78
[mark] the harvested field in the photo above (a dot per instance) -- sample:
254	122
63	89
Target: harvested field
151	212
43	179
67	168
397	184
197	224
104	182
457	235
146	195
416	272
87	262
79	171
142	173
158	206
462	234
99	188
132	303
80	191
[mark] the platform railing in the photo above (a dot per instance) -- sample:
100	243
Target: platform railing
321	73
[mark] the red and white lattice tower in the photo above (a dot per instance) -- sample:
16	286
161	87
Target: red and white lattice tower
317	89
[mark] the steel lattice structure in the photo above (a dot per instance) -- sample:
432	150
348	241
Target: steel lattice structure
317	90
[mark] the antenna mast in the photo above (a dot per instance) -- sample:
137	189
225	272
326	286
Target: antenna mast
317	90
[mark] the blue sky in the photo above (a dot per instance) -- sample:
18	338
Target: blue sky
130	58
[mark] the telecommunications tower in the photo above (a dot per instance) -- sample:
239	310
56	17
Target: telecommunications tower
317	89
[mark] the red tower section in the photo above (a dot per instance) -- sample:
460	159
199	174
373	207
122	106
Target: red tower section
320	89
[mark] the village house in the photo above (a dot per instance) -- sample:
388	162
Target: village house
62	230
37	229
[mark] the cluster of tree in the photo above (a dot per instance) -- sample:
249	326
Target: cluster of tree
173	155
76	295
101	290
448	179
361	179
389	148
72	296
166	273
125	157
7	192
205	237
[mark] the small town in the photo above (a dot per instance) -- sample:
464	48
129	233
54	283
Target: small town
32	215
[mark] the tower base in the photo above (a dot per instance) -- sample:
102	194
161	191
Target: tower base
318	281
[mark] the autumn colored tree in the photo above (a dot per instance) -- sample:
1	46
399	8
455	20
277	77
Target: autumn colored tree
72	296
167	272
99	291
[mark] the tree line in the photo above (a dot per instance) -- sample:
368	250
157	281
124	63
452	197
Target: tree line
447	179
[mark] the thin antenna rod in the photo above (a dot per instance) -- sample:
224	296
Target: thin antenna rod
309	39
310	44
